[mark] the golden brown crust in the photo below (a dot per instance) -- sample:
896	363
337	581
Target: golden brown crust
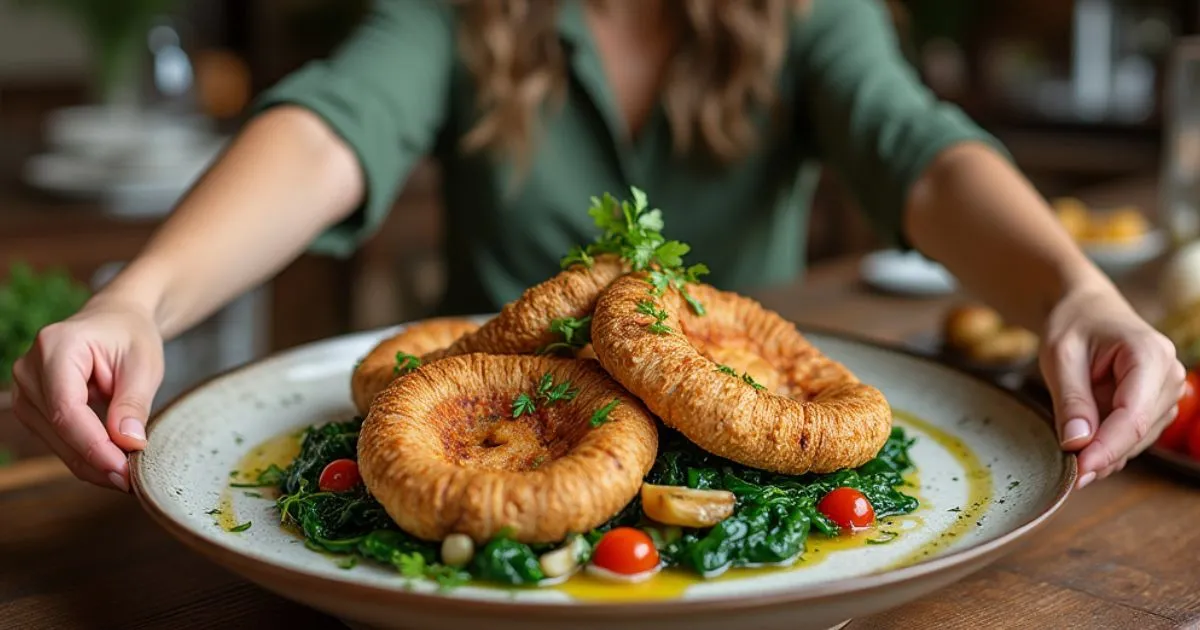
813	416
442	453
523	326
377	369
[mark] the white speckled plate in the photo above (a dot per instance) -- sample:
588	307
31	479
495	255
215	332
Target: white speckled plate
990	472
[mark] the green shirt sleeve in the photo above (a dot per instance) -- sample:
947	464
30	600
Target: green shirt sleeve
874	123
385	92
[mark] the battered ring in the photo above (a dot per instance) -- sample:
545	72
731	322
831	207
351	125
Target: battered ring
378	369
810	414
523	326
441	452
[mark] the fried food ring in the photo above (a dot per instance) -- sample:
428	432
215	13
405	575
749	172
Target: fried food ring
523	326
442	453
378	369
812	415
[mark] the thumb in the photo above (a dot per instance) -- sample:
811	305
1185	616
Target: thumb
1068	373
133	393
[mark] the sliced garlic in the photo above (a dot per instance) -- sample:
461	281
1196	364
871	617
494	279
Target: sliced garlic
457	550
686	507
564	560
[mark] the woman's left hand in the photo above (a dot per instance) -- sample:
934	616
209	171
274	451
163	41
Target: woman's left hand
1115	380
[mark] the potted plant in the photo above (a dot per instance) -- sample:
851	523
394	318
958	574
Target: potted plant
116	34
28	302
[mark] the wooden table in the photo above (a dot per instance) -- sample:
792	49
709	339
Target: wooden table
1121	554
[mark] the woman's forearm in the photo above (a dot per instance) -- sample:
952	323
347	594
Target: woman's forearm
282	181
975	214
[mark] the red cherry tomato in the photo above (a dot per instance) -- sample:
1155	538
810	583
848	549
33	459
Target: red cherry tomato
1192	445
1177	435
339	475
847	507
625	550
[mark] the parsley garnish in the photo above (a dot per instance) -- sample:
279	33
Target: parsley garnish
746	378
447	577
522	405
410	565
576	333
347	563
577	256
546	393
601	415
750	381
405	363
646	307
240	528
272	476
633	231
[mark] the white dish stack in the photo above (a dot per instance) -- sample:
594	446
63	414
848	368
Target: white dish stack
136	162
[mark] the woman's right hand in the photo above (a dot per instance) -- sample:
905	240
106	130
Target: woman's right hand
107	360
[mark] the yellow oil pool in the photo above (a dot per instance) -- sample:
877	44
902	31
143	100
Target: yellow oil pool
277	451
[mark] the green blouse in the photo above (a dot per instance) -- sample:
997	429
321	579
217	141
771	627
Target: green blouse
398	90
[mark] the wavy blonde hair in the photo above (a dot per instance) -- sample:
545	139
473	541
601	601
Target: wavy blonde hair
727	62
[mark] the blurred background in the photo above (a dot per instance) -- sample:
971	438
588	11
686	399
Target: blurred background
110	109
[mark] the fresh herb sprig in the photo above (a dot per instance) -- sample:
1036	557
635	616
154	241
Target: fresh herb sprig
601	415
647	307
575	332
746	378
633	231
405	363
546	394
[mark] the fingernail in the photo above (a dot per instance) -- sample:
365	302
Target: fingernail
1086	479
118	481
133	428
1076	429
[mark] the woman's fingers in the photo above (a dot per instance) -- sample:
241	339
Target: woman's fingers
1142	403
1067	370
35	421
133	393
64	403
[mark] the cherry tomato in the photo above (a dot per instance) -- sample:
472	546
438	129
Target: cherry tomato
1192	445
625	550
1177	435
339	475
847	507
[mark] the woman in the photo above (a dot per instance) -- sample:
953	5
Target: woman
720	110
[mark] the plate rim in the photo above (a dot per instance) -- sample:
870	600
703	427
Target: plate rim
982	553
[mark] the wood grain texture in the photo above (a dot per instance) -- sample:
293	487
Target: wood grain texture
1121	553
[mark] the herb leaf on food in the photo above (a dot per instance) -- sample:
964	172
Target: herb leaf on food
601	415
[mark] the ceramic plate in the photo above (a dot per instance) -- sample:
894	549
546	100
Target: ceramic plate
990	472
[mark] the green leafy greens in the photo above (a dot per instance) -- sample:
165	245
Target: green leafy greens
774	517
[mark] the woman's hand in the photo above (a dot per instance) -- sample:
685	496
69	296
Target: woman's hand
1114	379
107	358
